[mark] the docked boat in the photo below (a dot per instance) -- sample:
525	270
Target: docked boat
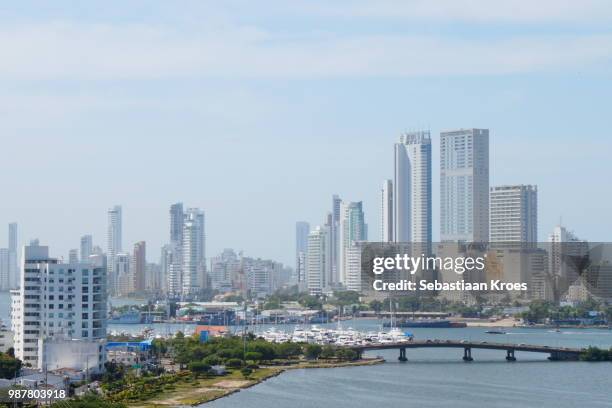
340	336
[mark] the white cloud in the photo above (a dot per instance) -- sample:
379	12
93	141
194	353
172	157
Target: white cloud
133	51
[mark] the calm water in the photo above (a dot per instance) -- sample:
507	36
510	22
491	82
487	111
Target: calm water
439	378
435	378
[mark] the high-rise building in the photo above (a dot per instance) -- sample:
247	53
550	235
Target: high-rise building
13	264
139	266
259	276
165	261
73	256
4	269
193	249
352	228
122	282
562	246
176	223
113	239
174	279
334	238
172	266
464	185
332	273
222	270
412	189
302	229
153	277
514	214
58	301
353	267
318	259
386	212
86	247
190	277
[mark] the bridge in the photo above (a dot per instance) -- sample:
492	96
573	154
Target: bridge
555	353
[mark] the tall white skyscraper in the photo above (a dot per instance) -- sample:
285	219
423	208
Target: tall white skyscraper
412	189
193	249
302	229
86	247
514	214
352	228
58	301
386	211
334	238
317	263
113	239
174	258
464	185
353	267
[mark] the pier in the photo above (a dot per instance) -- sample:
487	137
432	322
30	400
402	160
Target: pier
555	353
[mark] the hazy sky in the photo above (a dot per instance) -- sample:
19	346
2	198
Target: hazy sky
259	111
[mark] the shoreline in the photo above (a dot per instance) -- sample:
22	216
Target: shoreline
225	387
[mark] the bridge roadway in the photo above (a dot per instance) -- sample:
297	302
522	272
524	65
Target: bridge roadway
556	353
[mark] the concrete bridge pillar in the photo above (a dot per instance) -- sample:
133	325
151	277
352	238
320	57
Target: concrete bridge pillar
402	356
510	355
467	354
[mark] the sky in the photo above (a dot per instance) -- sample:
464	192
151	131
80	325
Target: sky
258	112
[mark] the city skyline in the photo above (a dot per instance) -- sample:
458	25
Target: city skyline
372	215
251	124
199	196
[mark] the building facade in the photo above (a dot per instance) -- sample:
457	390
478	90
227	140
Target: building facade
114	243
464	185
194	261
122	282
318	259
352	228
302	229
514	214
139	266
412	189
57	301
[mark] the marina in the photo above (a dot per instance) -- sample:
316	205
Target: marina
338	337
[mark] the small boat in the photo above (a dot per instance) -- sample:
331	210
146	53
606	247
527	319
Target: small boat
495	332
